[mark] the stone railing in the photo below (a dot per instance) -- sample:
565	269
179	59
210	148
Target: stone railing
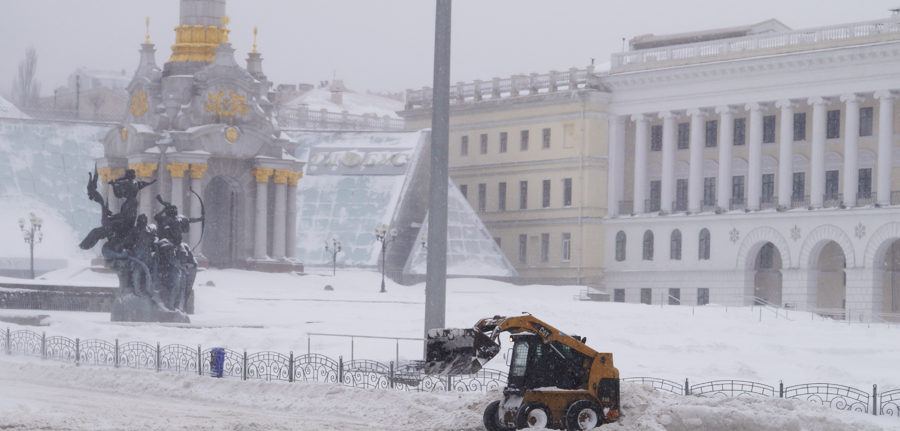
516	85
82	116
305	119
757	45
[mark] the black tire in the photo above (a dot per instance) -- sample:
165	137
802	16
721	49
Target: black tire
583	415
492	417
534	415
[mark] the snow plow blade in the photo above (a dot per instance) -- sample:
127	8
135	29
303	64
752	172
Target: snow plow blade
457	351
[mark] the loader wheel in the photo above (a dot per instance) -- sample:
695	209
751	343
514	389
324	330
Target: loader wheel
534	415
492	417
583	415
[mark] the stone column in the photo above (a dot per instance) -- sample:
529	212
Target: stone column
291	244
885	144
615	164
280	216
817	161
262	218
197	171
726	142
695	181
754	164
641	144
786	153
145	172
177	170
667	192
851	149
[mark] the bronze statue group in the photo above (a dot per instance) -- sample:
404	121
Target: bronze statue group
152	261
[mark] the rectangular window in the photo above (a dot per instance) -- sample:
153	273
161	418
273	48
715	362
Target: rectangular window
523	248
681	195
684	136
501	197
503	140
656	138
737	189
484	143
619	295
703	296
866	121
566	247
545	194
523	195
523	144
464	146
798	189
545	144
740	131
800	126
712	133
567	192
497	240
655	195
865	183
646	296
832	184
768	187
464	189
545	247
769	129
674	296
833	127
482	197
709	191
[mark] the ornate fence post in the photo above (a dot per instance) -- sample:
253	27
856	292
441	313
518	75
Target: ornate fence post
392	374
687	387
291	368
780	389
117	353
8	344
874	400
157	357
244	368
340	370
449	382
43	345
77	351
199	361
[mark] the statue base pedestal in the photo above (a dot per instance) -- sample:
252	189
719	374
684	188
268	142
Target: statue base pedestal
132	308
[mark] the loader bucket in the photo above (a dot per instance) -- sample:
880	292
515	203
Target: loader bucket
458	351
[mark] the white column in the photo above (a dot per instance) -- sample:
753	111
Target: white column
615	163
885	144
817	161
695	181
197	171
641	144
851	149
754	164
280	215
262	217
667	192
786	153
291	245
726	144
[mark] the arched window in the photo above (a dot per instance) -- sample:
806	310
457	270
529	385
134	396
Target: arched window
675	245
704	244
648	245
620	246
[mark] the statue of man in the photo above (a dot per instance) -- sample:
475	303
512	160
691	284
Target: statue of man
175	257
115	227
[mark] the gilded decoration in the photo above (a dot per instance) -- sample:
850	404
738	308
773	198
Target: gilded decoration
231	134
293	177
105	174
197	171
177	169
281	176
199	43
143	170
262	175
124	134
227	105
139	104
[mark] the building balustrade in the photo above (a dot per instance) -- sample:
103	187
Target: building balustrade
832	200
800	201
737	204
651	205
626	207
305	119
708	205
679	206
768	202
865	198
895	198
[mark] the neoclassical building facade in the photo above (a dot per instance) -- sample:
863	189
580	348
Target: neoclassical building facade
757	168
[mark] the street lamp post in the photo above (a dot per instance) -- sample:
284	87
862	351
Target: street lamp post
381	234
32	233
336	248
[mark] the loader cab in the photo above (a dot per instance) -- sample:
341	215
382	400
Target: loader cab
535	364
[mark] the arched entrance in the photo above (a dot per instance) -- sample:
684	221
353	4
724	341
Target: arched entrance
767	280
831	283
891	282
222	198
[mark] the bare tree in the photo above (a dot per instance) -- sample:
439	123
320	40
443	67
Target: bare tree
96	102
26	89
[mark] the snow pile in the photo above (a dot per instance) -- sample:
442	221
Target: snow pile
8	110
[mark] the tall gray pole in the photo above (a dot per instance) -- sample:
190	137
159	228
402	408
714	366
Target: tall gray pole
436	276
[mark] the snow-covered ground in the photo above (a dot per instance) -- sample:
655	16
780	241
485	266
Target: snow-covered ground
245	310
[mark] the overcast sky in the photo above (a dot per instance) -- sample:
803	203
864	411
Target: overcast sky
386	45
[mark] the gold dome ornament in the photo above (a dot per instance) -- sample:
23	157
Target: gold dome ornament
231	134
255	31
124	134
147	42
139	104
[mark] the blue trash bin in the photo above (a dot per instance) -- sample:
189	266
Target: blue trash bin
217	362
